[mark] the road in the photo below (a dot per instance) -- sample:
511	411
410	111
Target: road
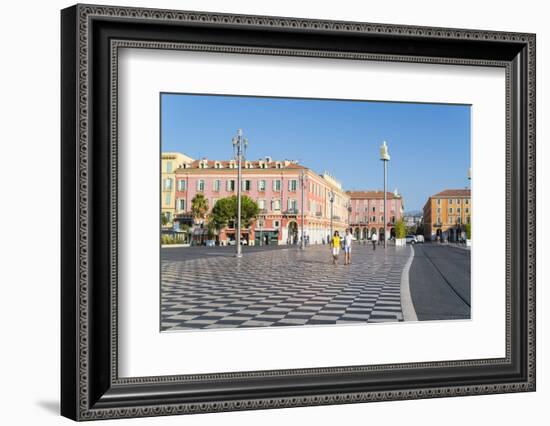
439	280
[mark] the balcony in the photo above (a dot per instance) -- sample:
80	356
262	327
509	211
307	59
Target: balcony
290	212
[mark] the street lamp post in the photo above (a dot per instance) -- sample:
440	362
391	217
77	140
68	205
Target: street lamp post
331	199
240	144
260	226
385	157
303	183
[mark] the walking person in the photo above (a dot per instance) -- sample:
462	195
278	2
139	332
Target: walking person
335	243
348	239
374	239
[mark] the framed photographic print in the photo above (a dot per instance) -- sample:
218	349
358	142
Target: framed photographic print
263	212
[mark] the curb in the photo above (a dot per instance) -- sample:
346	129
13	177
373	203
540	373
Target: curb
407	306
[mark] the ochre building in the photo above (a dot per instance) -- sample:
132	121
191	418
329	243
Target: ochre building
446	215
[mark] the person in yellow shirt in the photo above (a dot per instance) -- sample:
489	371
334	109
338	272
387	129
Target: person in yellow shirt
335	244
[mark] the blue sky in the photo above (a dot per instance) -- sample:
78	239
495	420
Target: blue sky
429	144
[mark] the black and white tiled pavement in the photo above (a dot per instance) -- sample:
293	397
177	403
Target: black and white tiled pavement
282	287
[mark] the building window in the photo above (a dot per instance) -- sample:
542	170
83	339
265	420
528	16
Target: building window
200	185
168	167
231	185
276	205
214	201
467	210
278	165
439	210
261	204
467	201
373	219
457	201
373	209
292	185
450	210
168	216
275	223
450	201
438	201
168	184
218	165
261	185
167	199
458	220
277	185
182	185
217	185
458	210
292	204
382	219
245	185
181	204
467	219
438	220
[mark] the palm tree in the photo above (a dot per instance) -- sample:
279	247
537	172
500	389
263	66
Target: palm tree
199	207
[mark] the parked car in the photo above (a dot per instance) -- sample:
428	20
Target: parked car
420	238
411	239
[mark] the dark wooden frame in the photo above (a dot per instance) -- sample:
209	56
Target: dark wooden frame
90	386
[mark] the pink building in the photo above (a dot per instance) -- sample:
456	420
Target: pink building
367	212
277	188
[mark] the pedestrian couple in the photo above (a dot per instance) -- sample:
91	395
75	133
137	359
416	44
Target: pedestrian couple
336	244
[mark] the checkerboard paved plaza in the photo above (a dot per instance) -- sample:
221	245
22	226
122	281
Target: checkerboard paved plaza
283	287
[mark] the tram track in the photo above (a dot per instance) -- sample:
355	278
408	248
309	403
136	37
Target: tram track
451	286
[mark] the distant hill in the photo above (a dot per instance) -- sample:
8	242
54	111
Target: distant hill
413	213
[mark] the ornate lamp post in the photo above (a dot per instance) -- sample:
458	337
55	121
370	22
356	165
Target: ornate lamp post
303	183
240	144
260	225
331	199
385	157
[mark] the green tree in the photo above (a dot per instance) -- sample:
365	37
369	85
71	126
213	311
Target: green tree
211	230
199	206
400	229
224	212
163	219
469	231
185	229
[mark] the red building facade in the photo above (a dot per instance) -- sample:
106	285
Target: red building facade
279	187
366	211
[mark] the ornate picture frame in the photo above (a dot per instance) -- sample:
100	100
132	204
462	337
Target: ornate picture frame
90	384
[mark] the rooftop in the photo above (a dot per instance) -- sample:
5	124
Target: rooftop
453	193
267	163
